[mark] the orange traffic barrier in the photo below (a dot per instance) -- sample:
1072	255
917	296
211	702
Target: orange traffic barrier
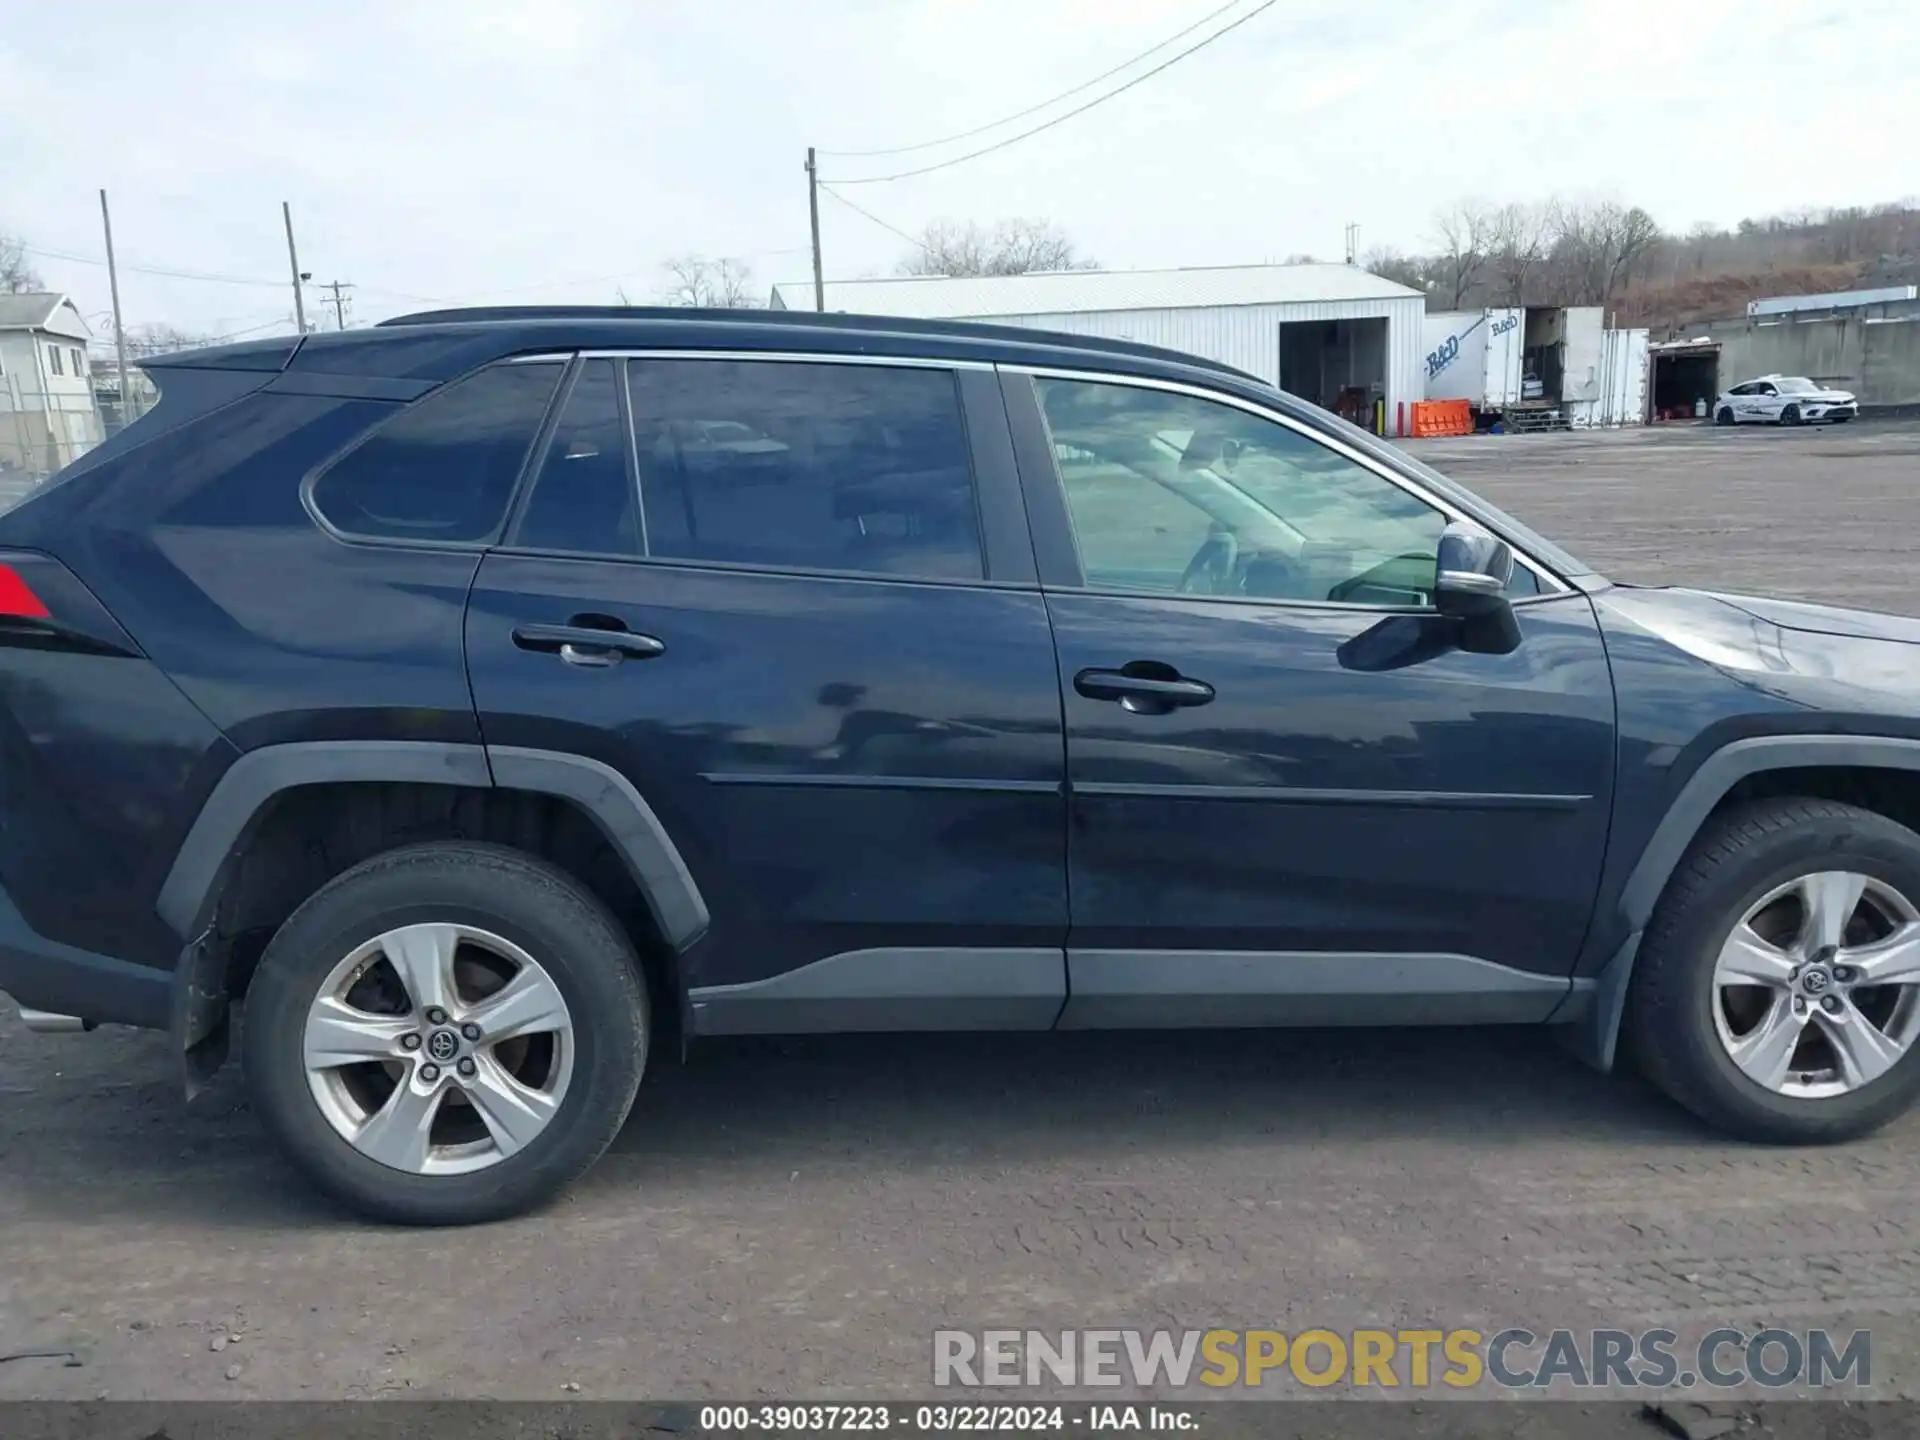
1442	417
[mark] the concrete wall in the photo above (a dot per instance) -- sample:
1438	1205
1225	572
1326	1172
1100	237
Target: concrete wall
1890	364
1879	362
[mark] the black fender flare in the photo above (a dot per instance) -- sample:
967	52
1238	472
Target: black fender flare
241	796
1595	1036
608	798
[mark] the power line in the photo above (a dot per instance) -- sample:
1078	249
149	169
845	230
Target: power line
167	272
917	244
207	277
1118	90
1043	105
339	289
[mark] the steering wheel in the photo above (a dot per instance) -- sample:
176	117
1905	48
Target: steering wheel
1216	558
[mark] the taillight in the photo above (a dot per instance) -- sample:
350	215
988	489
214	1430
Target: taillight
43	606
17	600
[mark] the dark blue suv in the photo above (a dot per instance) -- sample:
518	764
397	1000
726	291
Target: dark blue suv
491	697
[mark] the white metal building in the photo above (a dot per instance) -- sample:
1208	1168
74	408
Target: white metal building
1332	334
47	413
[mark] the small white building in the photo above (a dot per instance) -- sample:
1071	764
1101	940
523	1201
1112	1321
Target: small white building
48	417
1331	334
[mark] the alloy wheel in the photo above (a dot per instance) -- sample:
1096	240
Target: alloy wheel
1816	991
439	1049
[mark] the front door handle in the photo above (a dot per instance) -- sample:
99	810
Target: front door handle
1144	687
589	646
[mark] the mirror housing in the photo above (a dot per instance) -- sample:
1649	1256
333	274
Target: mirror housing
1471	575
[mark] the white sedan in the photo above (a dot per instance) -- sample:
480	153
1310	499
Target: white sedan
1783	400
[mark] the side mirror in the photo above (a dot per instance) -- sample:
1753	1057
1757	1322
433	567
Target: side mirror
1470	585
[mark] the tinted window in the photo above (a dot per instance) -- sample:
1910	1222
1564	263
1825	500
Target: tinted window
584	498
444	468
838	467
1176	494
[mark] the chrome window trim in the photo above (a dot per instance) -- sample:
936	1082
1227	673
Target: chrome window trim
794	357
1550	583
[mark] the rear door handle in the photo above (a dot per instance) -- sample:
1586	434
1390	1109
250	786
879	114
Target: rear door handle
1143	694
587	645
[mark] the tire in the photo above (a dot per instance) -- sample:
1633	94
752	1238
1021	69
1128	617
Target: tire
1790	415
1671	1023
519	906
1724	415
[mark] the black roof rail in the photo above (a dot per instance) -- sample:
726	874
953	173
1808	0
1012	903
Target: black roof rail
813	319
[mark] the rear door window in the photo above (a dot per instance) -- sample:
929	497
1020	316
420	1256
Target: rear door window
444	468
584	497
817	466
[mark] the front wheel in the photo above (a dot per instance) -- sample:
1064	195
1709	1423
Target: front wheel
1790	415
447	1033
1777	992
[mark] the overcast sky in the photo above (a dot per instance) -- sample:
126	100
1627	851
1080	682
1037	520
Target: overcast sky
553	150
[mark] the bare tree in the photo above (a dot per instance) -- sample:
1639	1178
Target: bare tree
17	275
1011	247
697	281
1465	232
1596	246
1517	242
1414	271
159	338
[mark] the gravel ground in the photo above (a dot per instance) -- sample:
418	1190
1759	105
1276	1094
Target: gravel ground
788	1219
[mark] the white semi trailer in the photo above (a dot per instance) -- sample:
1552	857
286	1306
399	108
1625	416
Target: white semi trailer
1475	355
1539	366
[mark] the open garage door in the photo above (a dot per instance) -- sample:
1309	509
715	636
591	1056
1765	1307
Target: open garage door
1339	365
1686	378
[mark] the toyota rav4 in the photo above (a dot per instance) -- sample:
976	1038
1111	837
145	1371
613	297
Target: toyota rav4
478	705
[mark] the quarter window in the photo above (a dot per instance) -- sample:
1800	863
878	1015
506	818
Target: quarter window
584	497
444	468
1174	494
861	468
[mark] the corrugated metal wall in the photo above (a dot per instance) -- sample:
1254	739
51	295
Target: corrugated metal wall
1248	336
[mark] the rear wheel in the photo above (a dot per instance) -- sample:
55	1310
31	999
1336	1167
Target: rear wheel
1777	993
1723	416
445	1034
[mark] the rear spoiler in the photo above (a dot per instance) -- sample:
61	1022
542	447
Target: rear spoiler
271	355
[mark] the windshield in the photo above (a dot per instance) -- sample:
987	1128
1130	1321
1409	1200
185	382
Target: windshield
1794	385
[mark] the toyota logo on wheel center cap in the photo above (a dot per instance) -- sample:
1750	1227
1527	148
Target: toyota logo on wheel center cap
1815	980
443	1045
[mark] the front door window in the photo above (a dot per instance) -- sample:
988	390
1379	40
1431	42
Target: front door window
1170	493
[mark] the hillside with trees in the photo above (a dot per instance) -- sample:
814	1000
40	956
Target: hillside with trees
1560	252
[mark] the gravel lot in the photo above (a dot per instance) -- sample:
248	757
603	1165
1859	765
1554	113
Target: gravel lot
793	1219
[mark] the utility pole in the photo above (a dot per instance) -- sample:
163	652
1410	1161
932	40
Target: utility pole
119	329
339	289
813	217
1353	243
293	261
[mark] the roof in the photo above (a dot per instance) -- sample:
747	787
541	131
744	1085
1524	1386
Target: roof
1070	291
38	311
